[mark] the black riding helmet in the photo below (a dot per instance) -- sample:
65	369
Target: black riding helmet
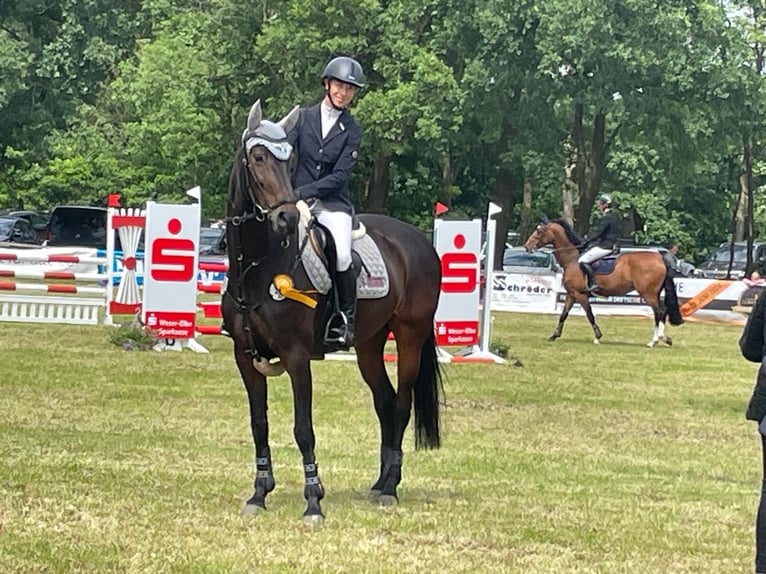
344	69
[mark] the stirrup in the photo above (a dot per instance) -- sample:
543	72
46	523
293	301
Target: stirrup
338	322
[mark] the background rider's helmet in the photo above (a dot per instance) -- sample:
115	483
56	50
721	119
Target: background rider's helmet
605	199
346	70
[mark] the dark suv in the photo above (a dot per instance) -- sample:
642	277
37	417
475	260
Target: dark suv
717	265
77	226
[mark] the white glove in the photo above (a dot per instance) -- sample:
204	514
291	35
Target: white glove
305	212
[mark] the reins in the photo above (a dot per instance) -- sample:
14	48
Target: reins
259	214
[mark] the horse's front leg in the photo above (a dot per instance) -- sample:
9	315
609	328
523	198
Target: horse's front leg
585	304
299	369
255	384
568	302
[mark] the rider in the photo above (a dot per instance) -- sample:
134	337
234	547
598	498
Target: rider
327	139
601	241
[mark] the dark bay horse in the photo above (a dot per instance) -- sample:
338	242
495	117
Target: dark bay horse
274	314
644	271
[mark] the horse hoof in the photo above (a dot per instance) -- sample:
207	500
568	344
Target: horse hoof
387	501
251	510
668	341
313	520
552	338
374	495
651	344
596	342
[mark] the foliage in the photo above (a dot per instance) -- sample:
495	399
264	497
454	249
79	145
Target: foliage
466	102
133	336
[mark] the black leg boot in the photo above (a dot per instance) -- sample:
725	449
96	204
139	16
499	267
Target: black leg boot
343	332
590	279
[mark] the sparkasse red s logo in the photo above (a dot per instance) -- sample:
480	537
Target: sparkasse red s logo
173	257
459	269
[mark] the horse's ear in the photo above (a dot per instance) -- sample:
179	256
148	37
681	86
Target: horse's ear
288	122
254	117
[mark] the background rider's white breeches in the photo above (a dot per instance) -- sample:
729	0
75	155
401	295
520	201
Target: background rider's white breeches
339	224
593	254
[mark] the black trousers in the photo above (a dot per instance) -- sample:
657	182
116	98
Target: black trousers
760	520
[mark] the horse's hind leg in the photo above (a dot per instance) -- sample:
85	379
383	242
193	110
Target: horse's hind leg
255	385
658	333
388	408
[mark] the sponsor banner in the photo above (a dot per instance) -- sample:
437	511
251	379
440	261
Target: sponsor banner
169	325
456	333
702	299
457	243
170	280
525	293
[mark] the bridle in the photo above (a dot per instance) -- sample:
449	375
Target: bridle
261	212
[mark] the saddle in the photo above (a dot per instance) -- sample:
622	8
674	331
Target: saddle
605	265
318	260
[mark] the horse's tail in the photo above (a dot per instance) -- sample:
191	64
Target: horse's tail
427	396
673	310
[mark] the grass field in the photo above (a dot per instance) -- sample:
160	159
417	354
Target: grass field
586	459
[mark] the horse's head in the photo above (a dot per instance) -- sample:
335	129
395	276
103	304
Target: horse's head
540	236
266	152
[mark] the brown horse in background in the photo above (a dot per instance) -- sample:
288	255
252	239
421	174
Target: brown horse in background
643	271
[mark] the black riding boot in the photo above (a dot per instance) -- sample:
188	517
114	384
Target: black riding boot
343	332
590	279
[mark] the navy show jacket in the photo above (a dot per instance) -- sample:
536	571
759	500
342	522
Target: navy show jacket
324	164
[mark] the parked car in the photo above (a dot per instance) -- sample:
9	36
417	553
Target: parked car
539	262
77	226
17	230
39	222
717	265
212	241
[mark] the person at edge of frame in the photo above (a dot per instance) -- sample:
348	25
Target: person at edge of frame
752	344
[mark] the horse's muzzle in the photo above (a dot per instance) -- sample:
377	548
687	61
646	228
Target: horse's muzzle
284	219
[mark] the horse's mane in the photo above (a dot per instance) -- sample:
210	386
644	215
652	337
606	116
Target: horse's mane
571	234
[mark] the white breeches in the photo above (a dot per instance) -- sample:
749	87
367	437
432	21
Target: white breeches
339	224
593	254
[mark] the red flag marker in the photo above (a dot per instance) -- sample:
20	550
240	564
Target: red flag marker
114	200
440	208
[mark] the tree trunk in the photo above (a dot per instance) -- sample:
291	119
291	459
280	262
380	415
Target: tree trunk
526	224
568	184
378	186
448	180
589	166
502	193
743	224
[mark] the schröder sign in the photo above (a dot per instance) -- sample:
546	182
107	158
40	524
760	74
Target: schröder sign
457	316
170	279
